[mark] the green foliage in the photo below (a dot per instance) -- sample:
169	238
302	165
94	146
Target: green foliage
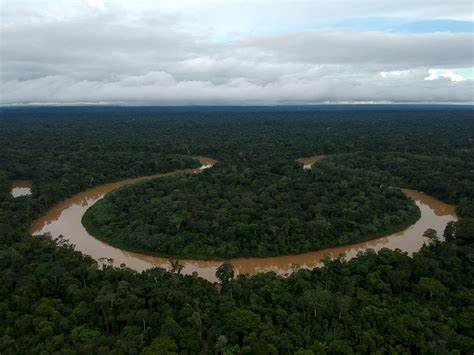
431	234
271	209
449	177
225	273
55	300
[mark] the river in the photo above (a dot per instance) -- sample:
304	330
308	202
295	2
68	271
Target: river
21	188
65	219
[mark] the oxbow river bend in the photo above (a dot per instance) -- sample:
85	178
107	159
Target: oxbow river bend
65	219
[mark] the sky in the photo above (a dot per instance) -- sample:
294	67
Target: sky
236	51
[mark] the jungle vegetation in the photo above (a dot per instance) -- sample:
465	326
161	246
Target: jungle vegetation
265	211
56	300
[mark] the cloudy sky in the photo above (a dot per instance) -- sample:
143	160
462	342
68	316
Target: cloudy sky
236	51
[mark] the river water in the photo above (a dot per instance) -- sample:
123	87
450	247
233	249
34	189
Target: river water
308	162
65	219
21	188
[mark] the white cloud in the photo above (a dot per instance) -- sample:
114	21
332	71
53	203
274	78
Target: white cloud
395	74
96	4
449	74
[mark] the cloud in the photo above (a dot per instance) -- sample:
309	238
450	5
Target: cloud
395	74
402	50
163	88
96	4
139	52
436	74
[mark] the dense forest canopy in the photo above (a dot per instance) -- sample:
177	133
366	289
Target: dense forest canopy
53	299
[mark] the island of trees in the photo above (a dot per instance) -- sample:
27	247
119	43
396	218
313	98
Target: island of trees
270	209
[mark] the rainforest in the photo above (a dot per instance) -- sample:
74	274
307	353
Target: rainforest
224	185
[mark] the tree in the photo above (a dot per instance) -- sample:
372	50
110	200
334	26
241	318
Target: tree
431	287
221	344
431	234
225	273
450	231
175	266
161	346
465	230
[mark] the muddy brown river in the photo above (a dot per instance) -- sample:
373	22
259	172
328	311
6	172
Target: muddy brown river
308	162
65	219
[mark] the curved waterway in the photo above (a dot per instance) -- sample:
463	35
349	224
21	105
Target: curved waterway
65	219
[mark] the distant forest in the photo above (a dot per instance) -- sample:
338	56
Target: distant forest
55	300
